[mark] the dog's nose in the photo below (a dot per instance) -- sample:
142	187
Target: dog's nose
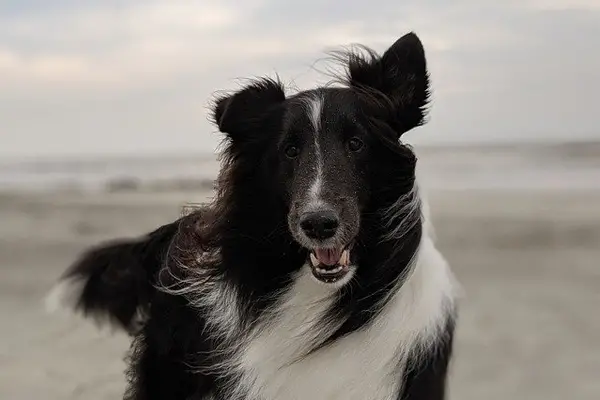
319	225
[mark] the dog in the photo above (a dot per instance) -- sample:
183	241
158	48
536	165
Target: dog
312	274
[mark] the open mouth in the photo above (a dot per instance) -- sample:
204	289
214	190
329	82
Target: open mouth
330	265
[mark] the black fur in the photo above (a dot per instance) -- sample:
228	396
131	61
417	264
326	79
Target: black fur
248	238
117	277
427	377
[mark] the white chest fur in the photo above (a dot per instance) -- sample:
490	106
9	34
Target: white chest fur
365	365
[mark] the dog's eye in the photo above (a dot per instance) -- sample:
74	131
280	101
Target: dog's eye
292	151
355	144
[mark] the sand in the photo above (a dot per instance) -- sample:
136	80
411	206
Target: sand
528	261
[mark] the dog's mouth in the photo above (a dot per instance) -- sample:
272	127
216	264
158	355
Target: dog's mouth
330	265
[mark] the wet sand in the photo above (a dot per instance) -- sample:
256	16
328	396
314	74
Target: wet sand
529	263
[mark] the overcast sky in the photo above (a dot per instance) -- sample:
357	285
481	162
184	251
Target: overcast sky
129	76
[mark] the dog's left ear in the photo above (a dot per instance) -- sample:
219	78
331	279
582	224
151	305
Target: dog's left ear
400	74
242	114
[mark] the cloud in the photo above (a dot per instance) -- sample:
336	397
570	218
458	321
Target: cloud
143	42
559	5
92	76
103	45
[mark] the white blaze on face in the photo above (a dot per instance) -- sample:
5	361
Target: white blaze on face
315	108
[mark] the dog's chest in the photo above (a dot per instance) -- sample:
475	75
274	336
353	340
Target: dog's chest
365	365
352	369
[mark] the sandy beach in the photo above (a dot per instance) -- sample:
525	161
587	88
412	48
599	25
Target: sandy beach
527	260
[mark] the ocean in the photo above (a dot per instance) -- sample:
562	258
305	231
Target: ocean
524	166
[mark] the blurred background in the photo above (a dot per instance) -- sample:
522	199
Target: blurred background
104	133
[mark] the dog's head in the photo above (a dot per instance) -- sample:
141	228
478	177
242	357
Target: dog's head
333	153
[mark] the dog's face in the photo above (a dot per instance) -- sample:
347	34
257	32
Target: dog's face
333	152
325	149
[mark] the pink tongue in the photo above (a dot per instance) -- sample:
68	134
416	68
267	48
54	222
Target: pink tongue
328	256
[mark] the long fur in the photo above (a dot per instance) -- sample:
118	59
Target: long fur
222	304
112	283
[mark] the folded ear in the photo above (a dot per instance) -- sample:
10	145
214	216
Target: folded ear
240	115
400	74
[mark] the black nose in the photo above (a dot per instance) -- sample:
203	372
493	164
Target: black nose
319	225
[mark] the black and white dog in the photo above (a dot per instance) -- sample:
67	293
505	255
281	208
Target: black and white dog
312	275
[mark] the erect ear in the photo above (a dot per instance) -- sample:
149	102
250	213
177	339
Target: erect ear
242	114
400	74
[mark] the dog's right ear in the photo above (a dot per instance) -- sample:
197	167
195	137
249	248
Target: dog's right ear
400	74
240	115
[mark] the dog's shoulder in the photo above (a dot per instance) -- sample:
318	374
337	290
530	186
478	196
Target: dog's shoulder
426	375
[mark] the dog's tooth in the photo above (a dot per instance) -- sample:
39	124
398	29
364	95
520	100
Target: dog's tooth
314	260
344	258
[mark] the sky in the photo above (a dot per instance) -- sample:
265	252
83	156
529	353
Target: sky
94	77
